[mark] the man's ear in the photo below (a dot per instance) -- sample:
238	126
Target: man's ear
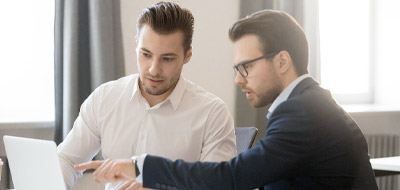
188	55
285	62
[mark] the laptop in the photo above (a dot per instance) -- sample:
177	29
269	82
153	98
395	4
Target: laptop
34	164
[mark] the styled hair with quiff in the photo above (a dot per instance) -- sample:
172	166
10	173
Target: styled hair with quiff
166	18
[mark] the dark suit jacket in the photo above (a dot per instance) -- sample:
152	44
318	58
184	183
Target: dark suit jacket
310	143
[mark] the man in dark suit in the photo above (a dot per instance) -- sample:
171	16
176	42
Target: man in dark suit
310	141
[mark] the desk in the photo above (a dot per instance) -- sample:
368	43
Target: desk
386	166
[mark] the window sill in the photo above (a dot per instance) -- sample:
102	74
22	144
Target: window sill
370	108
27	125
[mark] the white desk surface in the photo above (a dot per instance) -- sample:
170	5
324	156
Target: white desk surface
386	164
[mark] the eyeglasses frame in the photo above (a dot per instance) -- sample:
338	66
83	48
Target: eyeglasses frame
242	64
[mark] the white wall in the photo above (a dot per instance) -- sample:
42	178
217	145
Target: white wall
212	61
379	122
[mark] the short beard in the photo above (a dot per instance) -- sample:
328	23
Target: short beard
154	93
268	98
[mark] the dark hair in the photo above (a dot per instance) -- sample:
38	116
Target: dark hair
166	18
277	31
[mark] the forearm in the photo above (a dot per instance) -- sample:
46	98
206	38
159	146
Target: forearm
69	173
159	171
80	146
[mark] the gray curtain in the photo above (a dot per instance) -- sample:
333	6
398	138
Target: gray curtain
246	115
88	52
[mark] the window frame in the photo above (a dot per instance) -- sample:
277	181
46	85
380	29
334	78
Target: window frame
311	28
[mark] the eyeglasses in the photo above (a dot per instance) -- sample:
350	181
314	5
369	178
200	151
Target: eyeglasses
242	67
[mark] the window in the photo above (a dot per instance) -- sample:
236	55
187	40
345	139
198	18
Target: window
358	46
26	61
345	42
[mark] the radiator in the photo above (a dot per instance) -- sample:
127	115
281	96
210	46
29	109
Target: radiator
384	146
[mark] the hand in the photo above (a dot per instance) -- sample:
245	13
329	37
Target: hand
131	185
110	170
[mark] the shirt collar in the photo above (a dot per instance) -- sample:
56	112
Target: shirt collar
135	90
283	96
175	97
177	94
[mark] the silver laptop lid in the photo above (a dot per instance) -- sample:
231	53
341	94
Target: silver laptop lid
34	164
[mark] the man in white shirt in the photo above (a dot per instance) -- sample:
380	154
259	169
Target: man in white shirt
156	111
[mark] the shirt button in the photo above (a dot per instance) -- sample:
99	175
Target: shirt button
142	137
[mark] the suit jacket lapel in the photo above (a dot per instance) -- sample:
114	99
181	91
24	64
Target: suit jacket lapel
303	85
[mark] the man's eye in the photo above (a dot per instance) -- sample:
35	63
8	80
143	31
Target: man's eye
146	54
247	66
168	59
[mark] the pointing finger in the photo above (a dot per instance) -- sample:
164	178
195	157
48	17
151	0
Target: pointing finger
89	165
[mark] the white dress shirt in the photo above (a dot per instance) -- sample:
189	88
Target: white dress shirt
191	124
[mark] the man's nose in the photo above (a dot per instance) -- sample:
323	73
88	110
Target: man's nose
239	79
155	68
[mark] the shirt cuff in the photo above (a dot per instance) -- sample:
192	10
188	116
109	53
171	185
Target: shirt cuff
140	162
